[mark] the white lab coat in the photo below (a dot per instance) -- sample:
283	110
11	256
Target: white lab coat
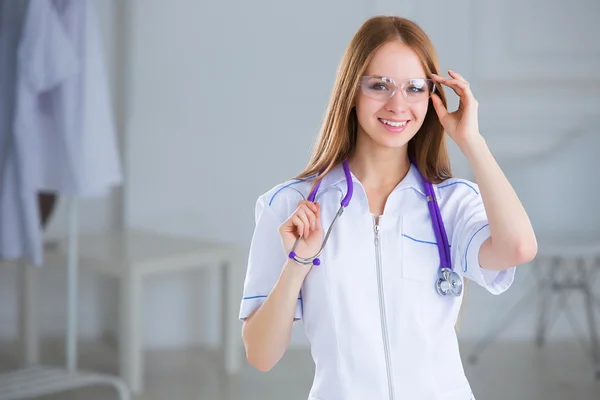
75	126
63	138
378	330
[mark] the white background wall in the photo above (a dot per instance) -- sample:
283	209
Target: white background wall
214	92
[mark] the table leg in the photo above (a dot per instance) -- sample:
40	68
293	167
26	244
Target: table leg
230	324
130	338
28	314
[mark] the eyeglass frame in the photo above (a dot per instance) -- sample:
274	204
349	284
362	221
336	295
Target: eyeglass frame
402	86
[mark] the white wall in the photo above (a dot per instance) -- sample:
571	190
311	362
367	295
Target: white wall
217	90
224	96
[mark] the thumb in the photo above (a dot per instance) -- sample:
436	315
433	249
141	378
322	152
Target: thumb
440	110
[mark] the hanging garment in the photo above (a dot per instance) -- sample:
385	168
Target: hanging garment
63	133
79	142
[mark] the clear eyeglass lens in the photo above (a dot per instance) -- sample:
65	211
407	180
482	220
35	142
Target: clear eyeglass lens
413	90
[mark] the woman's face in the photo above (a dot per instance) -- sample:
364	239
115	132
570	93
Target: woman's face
391	121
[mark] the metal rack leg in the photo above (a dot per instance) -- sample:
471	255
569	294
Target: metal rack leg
515	311
545	300
591	320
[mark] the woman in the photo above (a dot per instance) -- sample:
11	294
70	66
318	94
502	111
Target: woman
378	325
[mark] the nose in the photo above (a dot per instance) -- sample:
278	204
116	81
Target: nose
397	103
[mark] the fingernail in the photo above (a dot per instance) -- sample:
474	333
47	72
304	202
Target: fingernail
314	225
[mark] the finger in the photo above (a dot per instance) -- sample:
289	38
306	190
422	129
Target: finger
456	75
297	222
312	216
313	208
461	88
303	214
310	204
303	224
469	98
318	225
439	107
457	86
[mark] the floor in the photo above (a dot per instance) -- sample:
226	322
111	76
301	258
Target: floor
505	371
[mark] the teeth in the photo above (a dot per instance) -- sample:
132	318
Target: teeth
391	123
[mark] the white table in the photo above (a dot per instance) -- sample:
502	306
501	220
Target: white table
134	255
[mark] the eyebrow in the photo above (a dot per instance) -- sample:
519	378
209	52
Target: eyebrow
389	77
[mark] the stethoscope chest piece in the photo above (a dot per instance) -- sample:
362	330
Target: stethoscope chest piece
449	283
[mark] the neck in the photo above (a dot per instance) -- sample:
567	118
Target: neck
381	169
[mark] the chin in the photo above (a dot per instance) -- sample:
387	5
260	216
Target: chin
386	139
394	140
396	143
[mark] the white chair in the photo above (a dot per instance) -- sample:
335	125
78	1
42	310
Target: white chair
134	255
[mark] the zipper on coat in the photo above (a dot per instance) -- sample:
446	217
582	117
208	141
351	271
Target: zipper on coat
384	330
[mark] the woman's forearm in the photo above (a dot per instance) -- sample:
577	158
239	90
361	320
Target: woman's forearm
266	332
512	239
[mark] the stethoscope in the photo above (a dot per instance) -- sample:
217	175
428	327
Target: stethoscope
449	282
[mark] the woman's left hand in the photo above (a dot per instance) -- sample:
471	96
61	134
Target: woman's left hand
461	125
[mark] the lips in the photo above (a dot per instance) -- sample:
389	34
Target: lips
393	123
394	126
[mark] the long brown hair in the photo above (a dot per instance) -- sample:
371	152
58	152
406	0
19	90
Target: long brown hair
337	138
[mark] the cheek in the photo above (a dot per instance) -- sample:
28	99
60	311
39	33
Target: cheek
366	109
420	111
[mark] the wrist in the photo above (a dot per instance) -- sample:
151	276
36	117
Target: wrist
473	146
294	272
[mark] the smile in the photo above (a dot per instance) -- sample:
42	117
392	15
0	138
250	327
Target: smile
395	124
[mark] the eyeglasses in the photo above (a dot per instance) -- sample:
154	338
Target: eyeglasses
383	88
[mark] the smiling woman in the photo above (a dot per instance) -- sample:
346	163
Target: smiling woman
380	289
378	105
381	88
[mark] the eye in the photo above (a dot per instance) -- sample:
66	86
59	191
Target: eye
379	86
415	89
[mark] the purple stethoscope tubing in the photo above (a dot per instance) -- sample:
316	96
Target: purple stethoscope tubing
438	226
314	260
449	281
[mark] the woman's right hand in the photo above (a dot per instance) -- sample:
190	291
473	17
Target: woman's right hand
305	221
